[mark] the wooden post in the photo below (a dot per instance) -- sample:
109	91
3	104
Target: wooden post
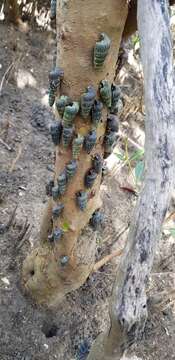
128	307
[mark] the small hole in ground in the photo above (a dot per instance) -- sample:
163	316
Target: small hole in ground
49	330
32	272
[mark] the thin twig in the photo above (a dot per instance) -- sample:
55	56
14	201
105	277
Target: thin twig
106	259
25	236
16	159
131	141
122	230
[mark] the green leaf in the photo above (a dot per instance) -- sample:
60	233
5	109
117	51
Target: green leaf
139	170
137	155
135	39
65	226
120	156
172	232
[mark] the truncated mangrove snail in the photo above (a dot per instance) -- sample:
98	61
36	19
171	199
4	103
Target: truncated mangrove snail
71	169
86	101
53	4
57	210
112	123
90	141
90	178
82	199
101	50
97	163
96	112
109	143
49	187
61	104
55	193
67	136
70	112
56	131
55	77
57	234
77	145
105	92
96	220
64	260
62	182
116	94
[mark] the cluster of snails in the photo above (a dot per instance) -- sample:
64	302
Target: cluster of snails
63	132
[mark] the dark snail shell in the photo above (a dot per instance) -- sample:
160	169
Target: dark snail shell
49	187
71	169
112	123
101	50
55	193
55	131
53	4
90	178
77	145
67	136
96	112
90	141
70	112
51	96
62	182
116	94
119	107
61	104
97	163
55	77
57	234
81	199
56	73
105	92
110	138
57	210
64	260
96	220
86	101
110	141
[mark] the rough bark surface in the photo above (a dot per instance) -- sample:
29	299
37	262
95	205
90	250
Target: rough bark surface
79	25
12	11
128	308
131	22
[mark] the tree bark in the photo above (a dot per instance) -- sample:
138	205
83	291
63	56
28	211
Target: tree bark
128	306
79	25
12	11
131	22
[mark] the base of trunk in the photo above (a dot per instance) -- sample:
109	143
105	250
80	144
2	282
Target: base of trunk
45	278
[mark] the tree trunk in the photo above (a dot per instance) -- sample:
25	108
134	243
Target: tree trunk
11	10
79	25
128	307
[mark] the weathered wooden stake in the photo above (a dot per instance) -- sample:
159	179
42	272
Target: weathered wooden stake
128	307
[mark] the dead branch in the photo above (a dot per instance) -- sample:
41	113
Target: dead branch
128	309
106	259
24	235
